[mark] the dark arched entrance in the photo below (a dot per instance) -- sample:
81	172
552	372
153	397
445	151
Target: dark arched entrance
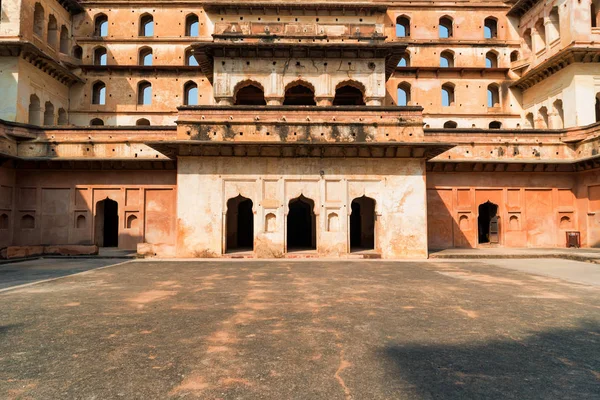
362	224
348	96
487	213
299	95
301	225
240	224
250	95
107	223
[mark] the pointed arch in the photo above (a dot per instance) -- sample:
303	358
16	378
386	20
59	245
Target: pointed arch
362	224
146	25
145	56
403	26
190	94
446	27
349	93
192	25
35	110
299	93
101	25
144	93
447	59
490	28
38	20
249	93
404	94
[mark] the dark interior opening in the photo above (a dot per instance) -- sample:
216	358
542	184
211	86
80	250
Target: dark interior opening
107	223
597	108
348	96
240	224
250	96
301	225
487	211
362	224
299	95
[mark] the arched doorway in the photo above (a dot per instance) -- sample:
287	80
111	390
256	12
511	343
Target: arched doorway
301	225
240	224
107	223
362	224
299	95
488	232
348	95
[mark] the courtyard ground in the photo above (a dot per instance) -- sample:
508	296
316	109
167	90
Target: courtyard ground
305	330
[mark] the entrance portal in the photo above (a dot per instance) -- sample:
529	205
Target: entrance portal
240	224
362	224
107	223
301	225
487	212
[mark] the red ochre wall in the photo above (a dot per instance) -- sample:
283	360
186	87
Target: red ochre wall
535	209
63	205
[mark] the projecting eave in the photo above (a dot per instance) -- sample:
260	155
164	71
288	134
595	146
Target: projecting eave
256	7
576	53
521	7
206	52
184	148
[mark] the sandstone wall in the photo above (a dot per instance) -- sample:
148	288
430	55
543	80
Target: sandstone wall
206	184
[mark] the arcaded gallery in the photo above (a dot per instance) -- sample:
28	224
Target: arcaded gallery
271	129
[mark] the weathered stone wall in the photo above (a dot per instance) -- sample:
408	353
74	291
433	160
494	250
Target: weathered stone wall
535	209
58	207
206	184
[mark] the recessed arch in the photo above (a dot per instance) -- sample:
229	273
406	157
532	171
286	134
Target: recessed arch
77	52
35	110
49	114
403	26
490	28
144	93
190	60
52	37
81	222
249	93
27	222
192	24
100	56
38	20
190	94
63	118
4	222
491	59
132	222
96	122
101	25
142	122
301	224
450	125
446	27
64	40
146	25
495	125
362	224
99	93
404	94
543	118
448	97
447	59
514	56
559	113
530	120
486	217
106	223
349	93
145	56
493	95
299	93
404	60
239	224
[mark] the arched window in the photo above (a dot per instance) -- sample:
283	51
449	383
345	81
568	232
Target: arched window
77	52
493	96
142	122
52	32
554	25
100	56
559	115
249	94
445	28
404	60
528	40
192	25
490	28
62	117
144	93
349	94
299	94
97	122
491	60
514	56
495	125
190	94
38	20
597	107
64	40
101	25
146	25
447	59
145	56
404	94
540	29
35	110
447	94
594	11
543	118
402	26
99	93
450	125
190	59
530	122
49	114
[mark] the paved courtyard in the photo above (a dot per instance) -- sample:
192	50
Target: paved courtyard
302	330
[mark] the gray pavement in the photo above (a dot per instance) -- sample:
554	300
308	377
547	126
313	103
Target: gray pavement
573	271
301	330
24	272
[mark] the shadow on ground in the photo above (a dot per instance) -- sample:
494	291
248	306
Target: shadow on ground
561	363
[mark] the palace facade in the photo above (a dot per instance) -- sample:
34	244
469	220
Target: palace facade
277	129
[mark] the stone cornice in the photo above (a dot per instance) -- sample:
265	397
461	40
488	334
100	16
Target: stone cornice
39	59
521	7
576	53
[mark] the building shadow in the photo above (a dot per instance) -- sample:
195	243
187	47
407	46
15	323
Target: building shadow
557	364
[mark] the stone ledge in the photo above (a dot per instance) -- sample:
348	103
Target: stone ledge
13	252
